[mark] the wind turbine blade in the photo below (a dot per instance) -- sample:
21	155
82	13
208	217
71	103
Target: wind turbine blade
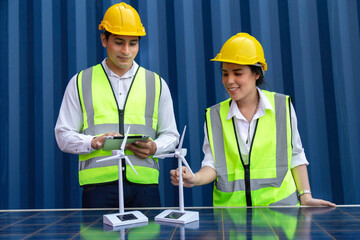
166	155
125	139
130	164
186	164
108	158
182	138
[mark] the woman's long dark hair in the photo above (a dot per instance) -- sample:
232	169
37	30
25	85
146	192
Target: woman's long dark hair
258	70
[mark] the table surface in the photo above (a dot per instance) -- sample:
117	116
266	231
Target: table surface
342	222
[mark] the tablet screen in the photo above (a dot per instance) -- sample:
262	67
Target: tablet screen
114	143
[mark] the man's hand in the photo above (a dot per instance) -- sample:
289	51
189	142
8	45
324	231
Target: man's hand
142	149
97	143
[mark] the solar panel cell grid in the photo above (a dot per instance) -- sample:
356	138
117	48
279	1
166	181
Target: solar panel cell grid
342	222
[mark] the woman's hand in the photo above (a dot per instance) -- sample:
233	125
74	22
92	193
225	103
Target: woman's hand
188	178
306	199
204	176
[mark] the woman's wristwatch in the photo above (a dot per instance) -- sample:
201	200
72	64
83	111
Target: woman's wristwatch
302	192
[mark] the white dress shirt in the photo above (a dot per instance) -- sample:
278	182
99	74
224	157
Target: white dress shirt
70	119
242	127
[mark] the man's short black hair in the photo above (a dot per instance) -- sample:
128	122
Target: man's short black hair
107	35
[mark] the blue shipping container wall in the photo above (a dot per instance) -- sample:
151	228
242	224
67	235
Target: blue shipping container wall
312	49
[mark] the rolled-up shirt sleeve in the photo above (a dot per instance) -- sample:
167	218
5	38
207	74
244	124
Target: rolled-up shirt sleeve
298	153
167	134
70	122
208	157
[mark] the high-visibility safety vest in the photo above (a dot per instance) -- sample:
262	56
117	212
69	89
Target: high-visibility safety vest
101	114
267	179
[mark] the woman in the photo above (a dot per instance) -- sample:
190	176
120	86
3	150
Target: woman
252	147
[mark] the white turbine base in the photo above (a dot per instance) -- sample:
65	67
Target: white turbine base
119	219
177	216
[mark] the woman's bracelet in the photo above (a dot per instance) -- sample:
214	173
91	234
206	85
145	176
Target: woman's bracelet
302	192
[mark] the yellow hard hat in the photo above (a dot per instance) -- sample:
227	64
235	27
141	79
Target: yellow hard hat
242	49
122	19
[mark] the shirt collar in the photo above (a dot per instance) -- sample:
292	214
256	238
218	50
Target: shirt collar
263	104
129	74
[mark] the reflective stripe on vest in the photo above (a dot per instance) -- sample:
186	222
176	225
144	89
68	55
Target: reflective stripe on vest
101	114
272	140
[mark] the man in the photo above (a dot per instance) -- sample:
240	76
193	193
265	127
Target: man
103	101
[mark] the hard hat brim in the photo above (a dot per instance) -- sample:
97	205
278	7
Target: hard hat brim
264	66
103	26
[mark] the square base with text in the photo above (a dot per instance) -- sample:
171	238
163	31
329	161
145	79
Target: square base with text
177	216
118	219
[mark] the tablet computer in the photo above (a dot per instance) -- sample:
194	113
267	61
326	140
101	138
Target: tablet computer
114	143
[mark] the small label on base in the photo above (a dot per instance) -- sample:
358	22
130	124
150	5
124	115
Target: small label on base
174	215
126	217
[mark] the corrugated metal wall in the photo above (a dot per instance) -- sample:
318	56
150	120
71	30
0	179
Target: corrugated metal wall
312	49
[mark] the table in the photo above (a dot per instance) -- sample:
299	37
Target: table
342	222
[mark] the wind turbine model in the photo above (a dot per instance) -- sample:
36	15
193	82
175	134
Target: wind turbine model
178	216
122	218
